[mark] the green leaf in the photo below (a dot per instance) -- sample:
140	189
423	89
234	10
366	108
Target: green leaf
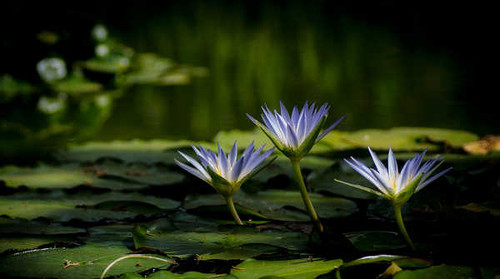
24	243
162	274
149	151
17	226
296	269
90	208
409	138
272	203
369	241
401	261
45	176
216	242
439	272
89	261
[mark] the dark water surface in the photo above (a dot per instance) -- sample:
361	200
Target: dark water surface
381	65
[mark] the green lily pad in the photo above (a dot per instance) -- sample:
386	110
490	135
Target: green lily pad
270	204
45	176
88	261
150	151
296	269
326	182
24	243
162	274
244	138
409	138
282	166
59	207
16	226
77	86
59	212
139	172
399	138
439	271
109	175
369	241
401	261
221	242
114	66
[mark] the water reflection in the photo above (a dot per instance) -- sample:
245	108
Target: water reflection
256	52
289	51
69	100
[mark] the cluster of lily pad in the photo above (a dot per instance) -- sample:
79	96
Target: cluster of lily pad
294	134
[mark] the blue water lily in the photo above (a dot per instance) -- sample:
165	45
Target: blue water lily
397	186
295	133
226	173
394	185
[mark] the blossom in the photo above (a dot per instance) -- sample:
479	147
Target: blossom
295	134
224	172
392	184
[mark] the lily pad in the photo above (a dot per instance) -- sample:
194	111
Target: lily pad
87	261
16	226
296	269
369	241
401	261
150	151
232	242
157	174
45	176
271	204
162	274
439	272
110	175
62	208
409	138
24	243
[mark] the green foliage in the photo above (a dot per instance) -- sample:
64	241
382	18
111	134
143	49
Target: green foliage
215	241
297	269
87	261
108	198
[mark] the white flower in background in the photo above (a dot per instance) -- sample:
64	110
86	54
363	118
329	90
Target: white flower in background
51	69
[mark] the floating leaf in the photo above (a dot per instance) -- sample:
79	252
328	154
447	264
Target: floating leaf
170	275
62	208
87	261
296	269
17	226
409	138
439	272
150	151
45	176
216	242
402	261
368	241
493	209
272	203
24	243
157	174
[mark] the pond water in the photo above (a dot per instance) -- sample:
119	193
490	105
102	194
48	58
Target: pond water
380	71
381	65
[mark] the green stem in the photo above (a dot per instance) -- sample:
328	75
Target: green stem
305	195
401	225
232	209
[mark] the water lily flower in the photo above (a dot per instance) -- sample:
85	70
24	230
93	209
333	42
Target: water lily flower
294	134
226	173
397	186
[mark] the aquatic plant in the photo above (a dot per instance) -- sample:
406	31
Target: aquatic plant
294	135
395	186
226	173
